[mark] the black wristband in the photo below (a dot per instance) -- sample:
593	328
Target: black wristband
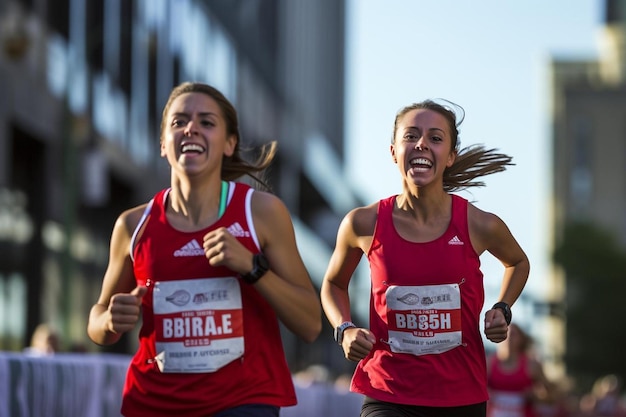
506	310
260	266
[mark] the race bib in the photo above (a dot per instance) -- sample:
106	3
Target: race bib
198	324
424	319
505	404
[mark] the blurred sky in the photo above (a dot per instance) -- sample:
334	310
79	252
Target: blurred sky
491	57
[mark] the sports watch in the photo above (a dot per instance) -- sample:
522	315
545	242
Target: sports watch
506	310
339	330
260	265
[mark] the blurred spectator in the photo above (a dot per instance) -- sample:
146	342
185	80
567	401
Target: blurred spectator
342	382
551	399
44	341
319	395
314	374
78	347
606	397
586	405
516	380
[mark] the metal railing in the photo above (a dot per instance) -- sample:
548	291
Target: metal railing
90	385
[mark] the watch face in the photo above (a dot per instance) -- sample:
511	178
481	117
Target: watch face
262	262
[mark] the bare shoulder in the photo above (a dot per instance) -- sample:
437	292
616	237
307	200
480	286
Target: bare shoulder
119	275
361	221
485	228
482	221
266	204
127	222
272	219
130	218
357	230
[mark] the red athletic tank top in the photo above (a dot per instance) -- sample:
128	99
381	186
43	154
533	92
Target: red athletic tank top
425	307
208	341
509	390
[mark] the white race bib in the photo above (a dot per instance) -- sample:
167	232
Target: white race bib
198	324
424	319
506	404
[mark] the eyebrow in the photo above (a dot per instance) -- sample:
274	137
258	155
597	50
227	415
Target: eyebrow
430	129
201	114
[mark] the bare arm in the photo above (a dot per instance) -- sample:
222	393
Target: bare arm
543	388
118	307
353	239
488	232
343	263
287	285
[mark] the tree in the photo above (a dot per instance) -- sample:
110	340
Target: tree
595	268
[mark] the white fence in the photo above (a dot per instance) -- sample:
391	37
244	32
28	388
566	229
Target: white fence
89	385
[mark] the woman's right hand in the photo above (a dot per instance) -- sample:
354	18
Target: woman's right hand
124	310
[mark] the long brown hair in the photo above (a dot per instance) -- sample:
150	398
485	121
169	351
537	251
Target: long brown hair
235	166
471	162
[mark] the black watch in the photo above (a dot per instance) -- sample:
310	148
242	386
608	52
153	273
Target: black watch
260	266
506	310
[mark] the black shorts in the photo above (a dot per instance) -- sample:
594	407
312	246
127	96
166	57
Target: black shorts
250	410
375	408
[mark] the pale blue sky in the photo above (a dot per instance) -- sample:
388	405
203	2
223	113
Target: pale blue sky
492	58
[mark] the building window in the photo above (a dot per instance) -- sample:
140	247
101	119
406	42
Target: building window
581	178
94	29
58	17
126	46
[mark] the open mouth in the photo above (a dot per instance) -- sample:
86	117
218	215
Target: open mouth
191	148
420	163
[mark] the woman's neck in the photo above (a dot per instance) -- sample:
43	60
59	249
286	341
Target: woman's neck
424	203
194	205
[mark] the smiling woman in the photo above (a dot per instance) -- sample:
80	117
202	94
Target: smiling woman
212	265
468	163
427	292
234	165
514	106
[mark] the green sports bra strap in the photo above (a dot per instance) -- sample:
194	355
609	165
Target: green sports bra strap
223	199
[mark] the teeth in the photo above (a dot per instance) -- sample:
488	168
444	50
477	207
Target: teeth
192	147
421	161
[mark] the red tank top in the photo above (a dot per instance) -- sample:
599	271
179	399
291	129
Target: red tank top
425	307
509	390
215	337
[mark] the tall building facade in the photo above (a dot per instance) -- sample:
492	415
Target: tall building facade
589	151
83	84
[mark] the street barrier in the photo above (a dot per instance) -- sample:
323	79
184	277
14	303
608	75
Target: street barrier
90	385
63	385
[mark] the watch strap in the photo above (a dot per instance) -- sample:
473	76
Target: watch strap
260	266
339	331
506	310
